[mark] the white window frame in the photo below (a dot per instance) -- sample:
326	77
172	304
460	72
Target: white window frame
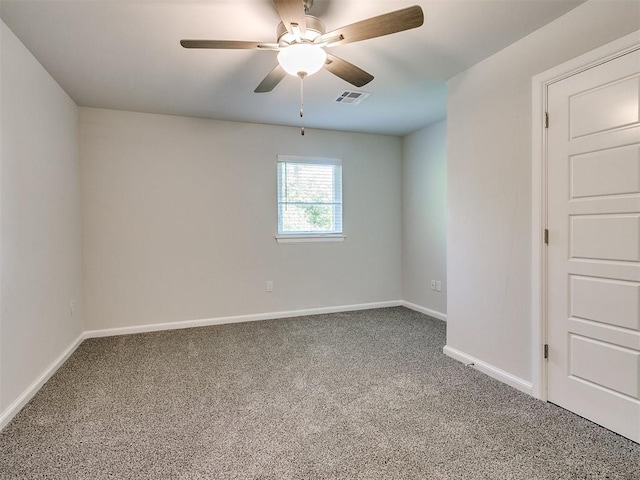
304	237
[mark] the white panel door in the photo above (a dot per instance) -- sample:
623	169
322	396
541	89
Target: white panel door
593	288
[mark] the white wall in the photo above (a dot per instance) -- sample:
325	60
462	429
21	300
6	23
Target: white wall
40	220
424	217
179	218
489	183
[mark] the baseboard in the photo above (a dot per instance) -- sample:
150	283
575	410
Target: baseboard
236	319
490	370
23	399
425	310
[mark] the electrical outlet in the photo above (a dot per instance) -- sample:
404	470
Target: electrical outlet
438	286
270	286
433	284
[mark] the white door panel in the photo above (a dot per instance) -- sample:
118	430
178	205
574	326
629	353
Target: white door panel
593	268
628	338
609	172
604	205
603	406
605	237
593	297
627	136
604	108
613	302
594	361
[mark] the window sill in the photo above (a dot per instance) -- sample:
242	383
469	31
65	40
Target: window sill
310	238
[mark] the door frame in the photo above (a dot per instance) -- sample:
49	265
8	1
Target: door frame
539	85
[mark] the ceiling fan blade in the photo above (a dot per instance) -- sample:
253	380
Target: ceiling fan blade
347	71
292	14
373	27
270	81
228	44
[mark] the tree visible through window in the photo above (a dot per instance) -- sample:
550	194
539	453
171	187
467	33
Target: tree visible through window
309	195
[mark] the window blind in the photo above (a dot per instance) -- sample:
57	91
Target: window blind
309	195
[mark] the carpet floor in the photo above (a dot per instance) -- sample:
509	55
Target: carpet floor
360	395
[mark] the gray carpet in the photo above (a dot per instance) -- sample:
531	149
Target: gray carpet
363	395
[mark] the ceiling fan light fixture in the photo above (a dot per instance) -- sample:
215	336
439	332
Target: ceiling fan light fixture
302	59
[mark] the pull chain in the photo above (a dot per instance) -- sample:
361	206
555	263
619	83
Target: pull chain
302	75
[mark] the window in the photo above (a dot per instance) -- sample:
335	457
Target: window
309	198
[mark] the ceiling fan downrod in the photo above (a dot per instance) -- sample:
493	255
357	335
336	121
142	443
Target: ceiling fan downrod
302	75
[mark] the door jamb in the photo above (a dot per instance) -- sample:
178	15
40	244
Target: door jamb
539	84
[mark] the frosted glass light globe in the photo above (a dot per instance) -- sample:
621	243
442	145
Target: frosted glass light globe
302	58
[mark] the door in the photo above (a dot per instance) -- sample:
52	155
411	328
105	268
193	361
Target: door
593	280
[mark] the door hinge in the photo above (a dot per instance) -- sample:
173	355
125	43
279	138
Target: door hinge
546	236
546	351
546	120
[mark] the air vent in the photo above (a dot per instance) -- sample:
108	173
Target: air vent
352	98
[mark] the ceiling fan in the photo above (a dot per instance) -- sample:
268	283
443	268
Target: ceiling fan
302	38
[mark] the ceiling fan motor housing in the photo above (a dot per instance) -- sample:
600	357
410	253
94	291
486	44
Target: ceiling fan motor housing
315	28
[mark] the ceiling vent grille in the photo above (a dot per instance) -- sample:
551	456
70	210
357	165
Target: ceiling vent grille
352	98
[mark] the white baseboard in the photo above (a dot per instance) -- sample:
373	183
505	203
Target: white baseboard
23	399
425	310
236	319
488	369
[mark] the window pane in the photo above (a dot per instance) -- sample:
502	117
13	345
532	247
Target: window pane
308	183
309	197
308	218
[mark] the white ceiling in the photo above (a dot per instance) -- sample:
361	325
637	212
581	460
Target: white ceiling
125	55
